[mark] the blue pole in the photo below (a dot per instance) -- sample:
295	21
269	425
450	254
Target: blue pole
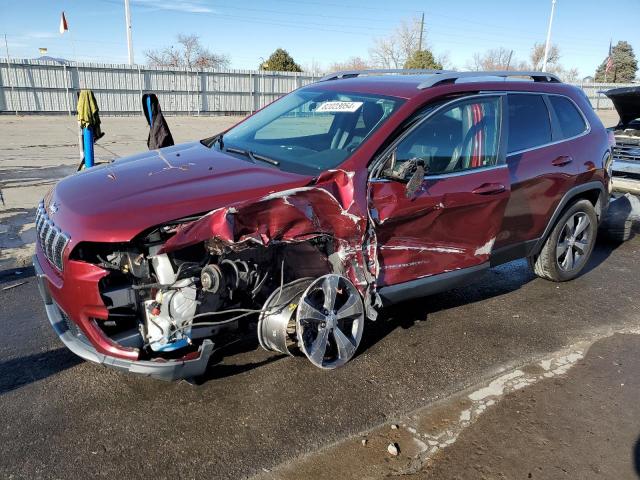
150	112
87	137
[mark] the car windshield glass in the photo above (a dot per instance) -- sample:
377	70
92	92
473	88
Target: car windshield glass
309	131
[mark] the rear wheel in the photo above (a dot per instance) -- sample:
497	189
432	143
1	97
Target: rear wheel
568	248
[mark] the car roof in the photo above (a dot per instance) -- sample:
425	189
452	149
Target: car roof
413	84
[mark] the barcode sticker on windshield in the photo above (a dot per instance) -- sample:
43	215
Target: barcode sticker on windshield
339	107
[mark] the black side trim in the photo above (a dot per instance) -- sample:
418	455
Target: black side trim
512	252
429	285
568	197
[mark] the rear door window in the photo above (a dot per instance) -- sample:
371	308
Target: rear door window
570	121
529	124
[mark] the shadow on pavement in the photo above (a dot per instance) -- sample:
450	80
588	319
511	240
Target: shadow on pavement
636	457
497	281
219	369
14	275
21	371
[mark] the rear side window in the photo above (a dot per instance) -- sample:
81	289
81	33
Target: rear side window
570	120
529	124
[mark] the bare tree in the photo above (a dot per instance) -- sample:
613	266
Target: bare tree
394	50
352	63
314	67
570	76
188	53
537	56
445	60
495	59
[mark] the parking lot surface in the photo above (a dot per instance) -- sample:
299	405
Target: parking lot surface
65	418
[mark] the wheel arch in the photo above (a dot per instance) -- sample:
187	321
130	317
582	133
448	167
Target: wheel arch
594	192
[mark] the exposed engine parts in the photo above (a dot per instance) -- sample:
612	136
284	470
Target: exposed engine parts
171	302
169	316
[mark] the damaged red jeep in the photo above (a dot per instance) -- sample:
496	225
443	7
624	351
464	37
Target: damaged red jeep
309	216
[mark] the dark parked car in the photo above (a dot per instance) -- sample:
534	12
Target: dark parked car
307	217
626	153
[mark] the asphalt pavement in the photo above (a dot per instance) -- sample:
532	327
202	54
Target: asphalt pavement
64	418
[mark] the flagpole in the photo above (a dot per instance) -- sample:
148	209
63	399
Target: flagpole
547	45
127	17
10	72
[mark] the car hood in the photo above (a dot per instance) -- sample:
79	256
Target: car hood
114	202
627	103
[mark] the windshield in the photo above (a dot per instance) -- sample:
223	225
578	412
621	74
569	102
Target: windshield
309	131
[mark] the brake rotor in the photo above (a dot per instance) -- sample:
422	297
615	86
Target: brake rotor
277	323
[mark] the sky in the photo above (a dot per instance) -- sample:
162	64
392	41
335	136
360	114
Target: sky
315	31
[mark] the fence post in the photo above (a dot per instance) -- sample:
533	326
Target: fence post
251	92
140	82
66	87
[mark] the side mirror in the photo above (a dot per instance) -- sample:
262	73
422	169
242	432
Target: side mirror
410	171
416	178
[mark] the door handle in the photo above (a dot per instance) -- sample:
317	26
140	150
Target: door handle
489	189
562	160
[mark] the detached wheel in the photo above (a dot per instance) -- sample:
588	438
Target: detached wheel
330	321
569	246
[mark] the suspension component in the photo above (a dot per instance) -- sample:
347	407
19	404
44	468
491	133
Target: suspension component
277	322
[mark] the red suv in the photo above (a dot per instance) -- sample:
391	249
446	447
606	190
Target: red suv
304	219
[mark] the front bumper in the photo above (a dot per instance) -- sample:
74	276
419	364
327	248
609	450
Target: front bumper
75	341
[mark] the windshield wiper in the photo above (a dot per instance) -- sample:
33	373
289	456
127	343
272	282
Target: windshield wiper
253	156
262	158
238	151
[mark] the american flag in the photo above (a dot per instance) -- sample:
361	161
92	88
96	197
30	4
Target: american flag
609	66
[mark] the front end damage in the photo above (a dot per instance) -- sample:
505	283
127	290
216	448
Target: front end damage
297	266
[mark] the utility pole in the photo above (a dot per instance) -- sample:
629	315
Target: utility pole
9	71
421	30
547	45
127	16
509	59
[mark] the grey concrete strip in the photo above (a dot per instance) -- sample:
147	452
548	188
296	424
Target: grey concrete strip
424	444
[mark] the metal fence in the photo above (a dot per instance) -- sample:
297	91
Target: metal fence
35	86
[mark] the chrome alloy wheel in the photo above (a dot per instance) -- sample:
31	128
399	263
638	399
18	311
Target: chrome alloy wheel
329	321
574	242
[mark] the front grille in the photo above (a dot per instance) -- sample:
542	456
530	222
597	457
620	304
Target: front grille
51	239
627	149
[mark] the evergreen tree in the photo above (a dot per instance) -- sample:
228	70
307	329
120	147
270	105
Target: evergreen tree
624	65
422	59
280	61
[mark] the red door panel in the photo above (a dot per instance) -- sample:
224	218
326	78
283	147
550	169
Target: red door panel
444	226
537	185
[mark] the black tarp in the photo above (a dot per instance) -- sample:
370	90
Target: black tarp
159	133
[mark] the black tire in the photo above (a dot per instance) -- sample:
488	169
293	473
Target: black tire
619	233
553	265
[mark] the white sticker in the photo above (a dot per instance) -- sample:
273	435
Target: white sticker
339	107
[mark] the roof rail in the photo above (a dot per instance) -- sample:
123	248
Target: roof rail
439	78
382	71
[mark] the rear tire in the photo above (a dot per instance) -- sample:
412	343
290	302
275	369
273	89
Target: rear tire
569	246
